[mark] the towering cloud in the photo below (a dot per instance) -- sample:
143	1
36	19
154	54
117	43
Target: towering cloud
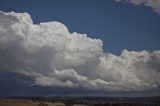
49	55
154	4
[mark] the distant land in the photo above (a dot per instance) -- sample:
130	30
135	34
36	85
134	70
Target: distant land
80	101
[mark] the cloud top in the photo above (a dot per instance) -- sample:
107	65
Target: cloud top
50	55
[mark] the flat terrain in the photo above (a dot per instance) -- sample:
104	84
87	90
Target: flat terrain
24	102
81	101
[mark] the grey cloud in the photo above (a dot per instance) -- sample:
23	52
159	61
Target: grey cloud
154	4
49	55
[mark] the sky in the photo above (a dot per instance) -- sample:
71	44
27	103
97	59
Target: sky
79	47
110	21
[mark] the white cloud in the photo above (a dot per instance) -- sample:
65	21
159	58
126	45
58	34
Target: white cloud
154	4
52	56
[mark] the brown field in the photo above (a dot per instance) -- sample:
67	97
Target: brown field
24	102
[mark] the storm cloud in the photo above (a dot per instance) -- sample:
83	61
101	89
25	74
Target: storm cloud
49	55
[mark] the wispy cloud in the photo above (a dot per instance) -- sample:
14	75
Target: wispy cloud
154	4
52	56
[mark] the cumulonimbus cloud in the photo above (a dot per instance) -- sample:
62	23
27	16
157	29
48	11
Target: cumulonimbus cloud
52	56
154	4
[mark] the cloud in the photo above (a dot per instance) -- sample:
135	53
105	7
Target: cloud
49	55
154	4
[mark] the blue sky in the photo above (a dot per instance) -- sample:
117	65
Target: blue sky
42	60
119	25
